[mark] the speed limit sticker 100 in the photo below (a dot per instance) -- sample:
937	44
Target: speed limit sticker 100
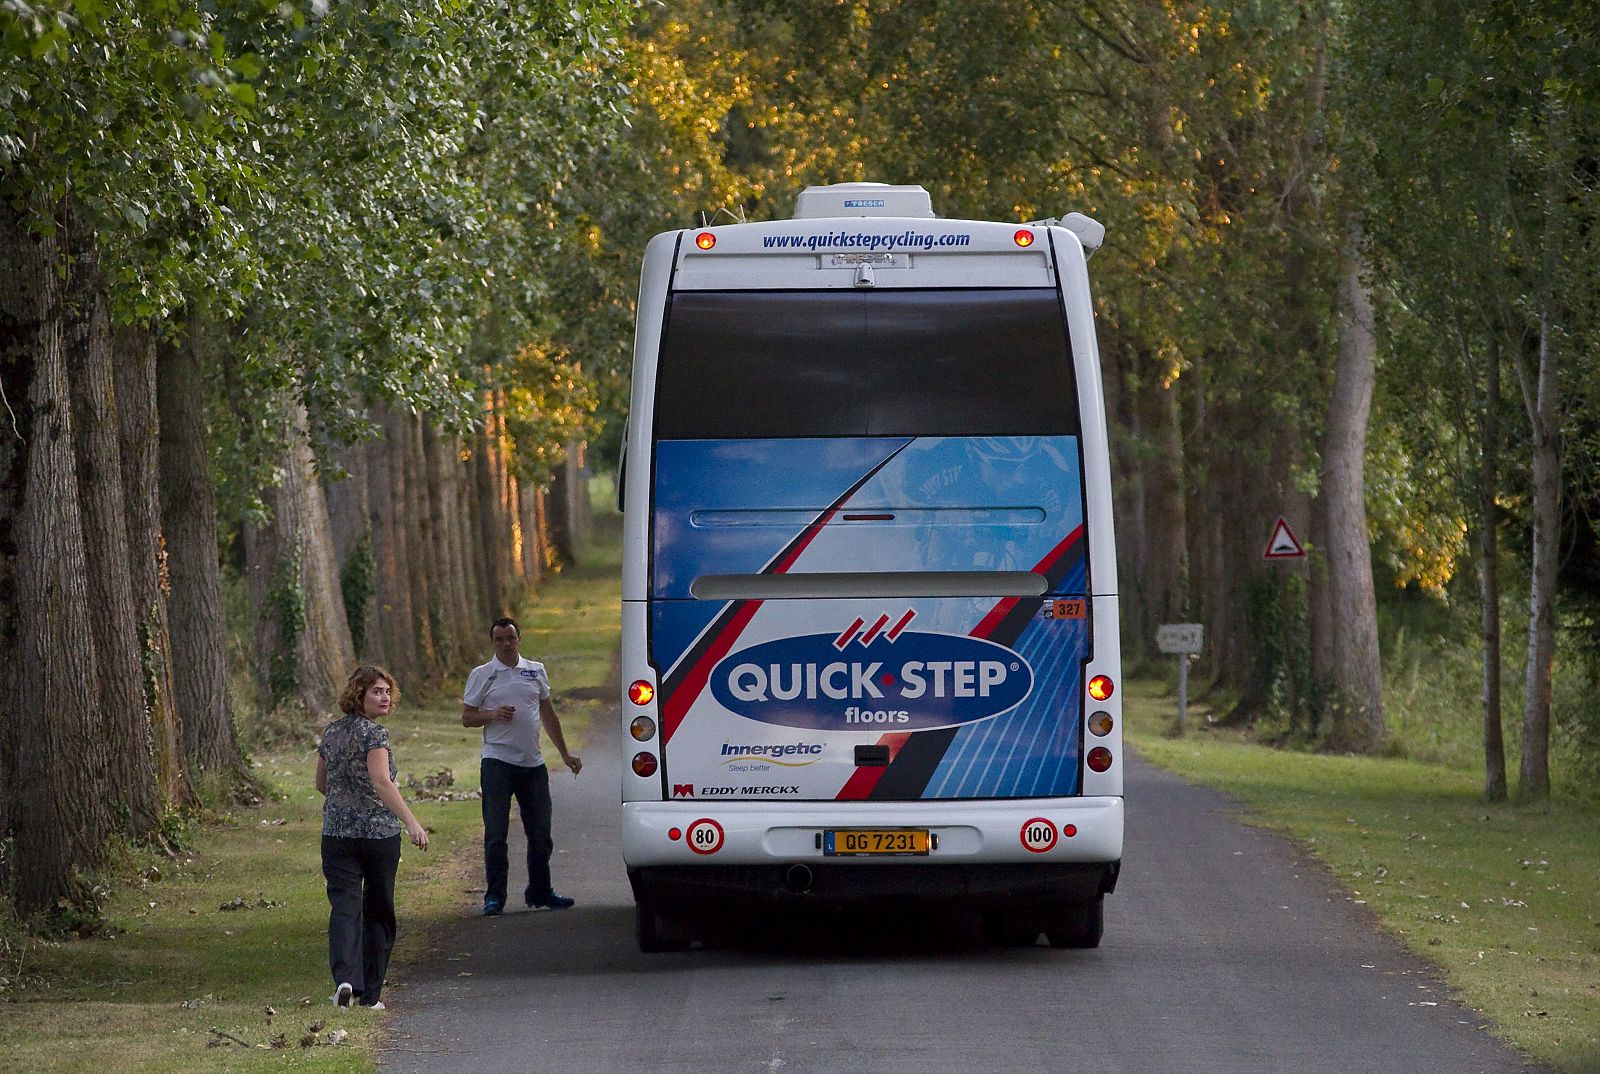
1038	835
705	836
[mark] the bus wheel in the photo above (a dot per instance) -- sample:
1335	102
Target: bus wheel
1079	924
657	931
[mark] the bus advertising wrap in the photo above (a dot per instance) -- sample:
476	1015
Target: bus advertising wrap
950	696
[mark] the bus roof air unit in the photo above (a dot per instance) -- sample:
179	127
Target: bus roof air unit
1090	231
862	199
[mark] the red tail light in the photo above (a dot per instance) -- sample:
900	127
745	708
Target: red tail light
1099	759
1023	238
705	240
644	764
1101	688
641	692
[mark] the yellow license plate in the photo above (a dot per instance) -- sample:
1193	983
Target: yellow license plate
841	842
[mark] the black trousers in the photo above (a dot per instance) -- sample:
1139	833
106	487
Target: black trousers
360	875
531	788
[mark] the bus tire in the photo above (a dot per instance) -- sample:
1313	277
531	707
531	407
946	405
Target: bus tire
658	932
1079	924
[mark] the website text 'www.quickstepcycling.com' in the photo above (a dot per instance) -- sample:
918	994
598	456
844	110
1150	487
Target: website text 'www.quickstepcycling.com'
861	240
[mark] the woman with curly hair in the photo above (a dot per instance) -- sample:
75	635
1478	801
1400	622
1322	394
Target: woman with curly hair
362	817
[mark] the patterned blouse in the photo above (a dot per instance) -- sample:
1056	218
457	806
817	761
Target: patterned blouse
352	808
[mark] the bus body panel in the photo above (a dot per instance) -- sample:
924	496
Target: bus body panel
654	281
725	734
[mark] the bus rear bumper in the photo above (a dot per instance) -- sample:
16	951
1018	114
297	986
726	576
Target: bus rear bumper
1029	833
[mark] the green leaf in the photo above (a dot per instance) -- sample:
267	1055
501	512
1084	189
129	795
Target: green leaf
247	66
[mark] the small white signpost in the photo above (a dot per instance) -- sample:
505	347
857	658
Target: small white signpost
1182	639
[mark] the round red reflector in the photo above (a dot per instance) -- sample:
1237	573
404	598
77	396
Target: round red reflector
1023	238
705	240
1069	830
641	693
1099	758
642	728
1101	688
674	834
644	764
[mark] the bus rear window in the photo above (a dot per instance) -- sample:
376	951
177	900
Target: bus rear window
757	364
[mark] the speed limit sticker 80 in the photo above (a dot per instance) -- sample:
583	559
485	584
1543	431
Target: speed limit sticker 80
1038	835
705	836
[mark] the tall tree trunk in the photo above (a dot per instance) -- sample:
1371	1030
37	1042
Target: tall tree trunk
189	517
1494	749
1533	781
582	510
1205	522
444	525
140	437
302	637
1133	532
49	806
395	614
528	522
349	512
123	761
1356	698
468	536
1541	396
413	520
1324	640
549	557
1166	559
569	504
486	515
505	528
350	516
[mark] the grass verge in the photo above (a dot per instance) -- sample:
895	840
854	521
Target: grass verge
217	960
1504	899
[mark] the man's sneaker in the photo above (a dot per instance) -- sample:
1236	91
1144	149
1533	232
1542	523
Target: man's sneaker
549	901
343	995
374	1006
492	907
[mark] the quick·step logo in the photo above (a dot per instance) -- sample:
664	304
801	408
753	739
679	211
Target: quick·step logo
825	681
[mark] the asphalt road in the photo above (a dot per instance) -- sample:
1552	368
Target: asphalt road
1225	950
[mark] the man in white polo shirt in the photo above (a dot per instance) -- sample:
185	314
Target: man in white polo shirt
509	697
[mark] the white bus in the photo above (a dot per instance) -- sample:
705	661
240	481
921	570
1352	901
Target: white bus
869	606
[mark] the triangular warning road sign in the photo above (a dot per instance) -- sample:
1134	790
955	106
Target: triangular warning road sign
1284	544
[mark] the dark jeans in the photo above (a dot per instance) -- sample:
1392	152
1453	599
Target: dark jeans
360	876
531	786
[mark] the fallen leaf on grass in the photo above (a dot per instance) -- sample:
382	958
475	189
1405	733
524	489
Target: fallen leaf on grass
241	903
